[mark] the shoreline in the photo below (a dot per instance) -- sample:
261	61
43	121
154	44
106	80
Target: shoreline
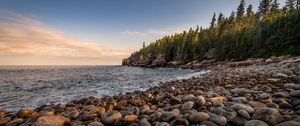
255	91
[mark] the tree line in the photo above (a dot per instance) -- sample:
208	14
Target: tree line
271	31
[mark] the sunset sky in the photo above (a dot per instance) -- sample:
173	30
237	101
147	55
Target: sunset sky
95	32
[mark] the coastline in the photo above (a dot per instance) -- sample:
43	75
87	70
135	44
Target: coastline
250	92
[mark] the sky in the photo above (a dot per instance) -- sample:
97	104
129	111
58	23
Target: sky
95	32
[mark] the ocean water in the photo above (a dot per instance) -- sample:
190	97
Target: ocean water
32	86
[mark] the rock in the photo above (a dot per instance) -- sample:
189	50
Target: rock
144	122
289	123
200	100
188	105
240	91
239	121
220	120
281	75
207	123
4	121
52	121
180	122
110	117
264	96
239	100
244	114
126	120
88	117
2	112
255	123
162	124
291	86
228	113
155	117
137	102
285	105
96	123
121	105
197	117
24	112
295	93
256	104
269	115
168	116
219	99
239	106
189	97
74	114
15	122
281	95
144	109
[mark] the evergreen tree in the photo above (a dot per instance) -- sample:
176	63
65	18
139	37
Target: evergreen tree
221	19
241	10
249	11
274	6
263	9
290	5
213	21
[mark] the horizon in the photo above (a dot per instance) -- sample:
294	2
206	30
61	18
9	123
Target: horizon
85	33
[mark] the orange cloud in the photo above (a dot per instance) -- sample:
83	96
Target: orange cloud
27	37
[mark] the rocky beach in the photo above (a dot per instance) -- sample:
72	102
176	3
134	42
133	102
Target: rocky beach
255	92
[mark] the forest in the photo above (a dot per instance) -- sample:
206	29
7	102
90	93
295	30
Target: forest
271	31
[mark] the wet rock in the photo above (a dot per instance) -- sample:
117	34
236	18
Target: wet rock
137	102
239	106
269	115
264	96
220	120
239	100
180	122
189	97
15	122
52	121
219	99
291	86
144	109
168	116
228	113
74	114
2	112
4	121
244	114
295	93
121	105
281	75
197	117
155	116
200	100
144	122
187	105
126	120
255	123
281	95
96	123
289	123
240	91
239	121
88	117
162	124
285	105
208	123
110	117
24	112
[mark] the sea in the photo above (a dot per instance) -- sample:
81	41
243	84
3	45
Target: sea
33	86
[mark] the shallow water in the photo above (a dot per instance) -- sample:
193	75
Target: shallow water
32	86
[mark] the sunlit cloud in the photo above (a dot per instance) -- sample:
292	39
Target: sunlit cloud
25	36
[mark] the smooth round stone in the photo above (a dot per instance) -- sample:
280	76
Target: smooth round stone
179	121
289	123
239	121
256	104
219	99
89	117
24	112
144	109
291	86
281	95
144	122
256	123
239	100
15	122
95	124
168	116
137	102
240	91
239	106
264	96
229	113
162	124
295	93
52	121
126	120
285	105
244	114
110	117
155	116
74	114
269	115
200	100
197	117
2	112
220	120
188	105
4	121
208	123
91	109
189	97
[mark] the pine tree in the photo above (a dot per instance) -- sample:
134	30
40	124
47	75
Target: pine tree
221	19
274	6
249	10
263	9
241	10
213	21
290	5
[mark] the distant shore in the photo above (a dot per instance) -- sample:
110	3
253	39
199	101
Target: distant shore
257	92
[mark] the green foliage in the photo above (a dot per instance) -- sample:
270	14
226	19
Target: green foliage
276	32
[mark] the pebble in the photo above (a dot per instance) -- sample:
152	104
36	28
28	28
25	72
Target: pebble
289	123
187	105
295	93
110	117
144	122
96	123
269	115
244	114
200	101
197	117
239	106
189	97
229	113
179	122
220	120
4	121
24	112
52	121
168	116
256	123
219	99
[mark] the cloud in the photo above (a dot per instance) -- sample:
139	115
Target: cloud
150	32
134	33
24	36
